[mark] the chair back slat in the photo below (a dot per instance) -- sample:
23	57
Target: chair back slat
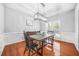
26	37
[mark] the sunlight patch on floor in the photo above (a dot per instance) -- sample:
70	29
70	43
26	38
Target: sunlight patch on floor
56	48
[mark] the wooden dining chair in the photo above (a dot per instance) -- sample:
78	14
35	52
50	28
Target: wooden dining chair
32	47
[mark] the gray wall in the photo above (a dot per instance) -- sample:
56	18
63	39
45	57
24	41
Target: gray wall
78	29
67	21
15	21
1	18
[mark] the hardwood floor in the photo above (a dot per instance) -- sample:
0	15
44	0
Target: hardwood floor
62	49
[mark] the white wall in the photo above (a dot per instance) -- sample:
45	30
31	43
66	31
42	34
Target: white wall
67	25
44	27
16	22
68	21
1	18
1	27
77	27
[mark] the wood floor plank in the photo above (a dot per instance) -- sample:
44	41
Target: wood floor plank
17	49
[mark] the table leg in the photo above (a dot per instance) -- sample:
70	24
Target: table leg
42	49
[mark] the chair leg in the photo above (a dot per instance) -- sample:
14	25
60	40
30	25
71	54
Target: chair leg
24	51
29	52
52	44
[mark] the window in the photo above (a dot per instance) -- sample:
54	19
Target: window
54	25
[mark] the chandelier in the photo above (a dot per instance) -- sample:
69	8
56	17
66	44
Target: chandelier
38	15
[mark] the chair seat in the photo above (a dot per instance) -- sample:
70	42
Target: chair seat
32	45
48	41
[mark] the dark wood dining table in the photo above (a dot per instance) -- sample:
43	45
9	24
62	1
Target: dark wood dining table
41	38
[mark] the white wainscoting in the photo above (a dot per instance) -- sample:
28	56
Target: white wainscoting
14	37
1	43
10	38
66	36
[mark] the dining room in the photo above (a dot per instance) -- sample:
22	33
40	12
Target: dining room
39	29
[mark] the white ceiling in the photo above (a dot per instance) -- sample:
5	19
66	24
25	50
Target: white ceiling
50	9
